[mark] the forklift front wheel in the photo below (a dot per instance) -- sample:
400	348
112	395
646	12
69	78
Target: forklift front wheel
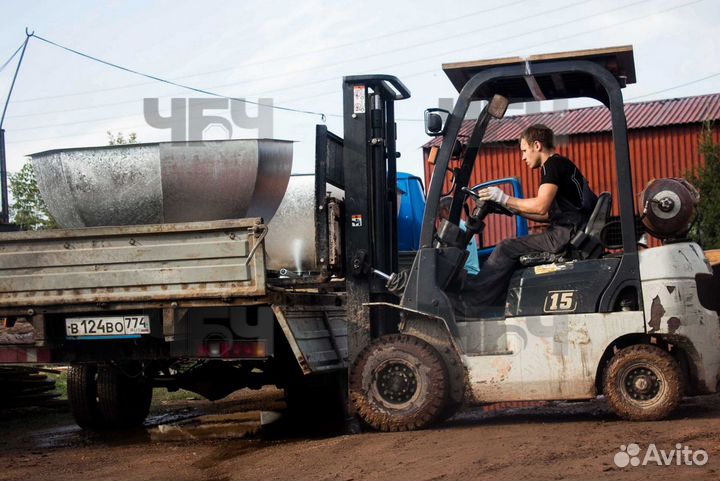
643	383
399	383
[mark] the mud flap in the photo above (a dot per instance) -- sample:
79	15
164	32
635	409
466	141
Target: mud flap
317	334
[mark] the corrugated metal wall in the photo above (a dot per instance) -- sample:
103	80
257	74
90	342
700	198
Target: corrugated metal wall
669	151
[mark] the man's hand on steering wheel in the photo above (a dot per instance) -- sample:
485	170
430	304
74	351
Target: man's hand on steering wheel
493	194
494	198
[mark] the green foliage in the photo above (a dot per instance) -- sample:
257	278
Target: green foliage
28	210
707	180
120	139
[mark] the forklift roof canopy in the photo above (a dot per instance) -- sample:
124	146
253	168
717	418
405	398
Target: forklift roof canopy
618	60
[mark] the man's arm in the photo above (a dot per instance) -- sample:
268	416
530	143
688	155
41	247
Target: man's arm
535	208
536	217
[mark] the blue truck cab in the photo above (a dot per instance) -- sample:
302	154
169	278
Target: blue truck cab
411	206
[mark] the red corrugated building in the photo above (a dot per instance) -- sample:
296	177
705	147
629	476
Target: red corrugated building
663	135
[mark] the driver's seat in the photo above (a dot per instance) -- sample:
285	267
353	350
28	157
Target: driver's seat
586	244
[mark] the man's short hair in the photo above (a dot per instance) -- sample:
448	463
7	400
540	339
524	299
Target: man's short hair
540	133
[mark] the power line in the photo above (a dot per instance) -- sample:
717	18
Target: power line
334	115
507	52
676	86
7	102
503	53
335	64
484	29
170	82
11	57
74	109
567	37
321	81
296	55
72	123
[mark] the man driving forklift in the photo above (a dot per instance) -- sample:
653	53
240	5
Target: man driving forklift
564	200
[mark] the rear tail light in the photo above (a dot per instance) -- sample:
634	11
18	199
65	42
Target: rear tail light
233	349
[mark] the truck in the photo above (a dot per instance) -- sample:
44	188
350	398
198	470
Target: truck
371	327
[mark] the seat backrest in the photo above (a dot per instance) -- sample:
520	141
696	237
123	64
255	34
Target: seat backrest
600	215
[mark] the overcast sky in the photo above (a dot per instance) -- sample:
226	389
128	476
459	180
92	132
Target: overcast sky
297	53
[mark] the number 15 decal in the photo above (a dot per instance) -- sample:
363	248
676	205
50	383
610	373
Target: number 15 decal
561	301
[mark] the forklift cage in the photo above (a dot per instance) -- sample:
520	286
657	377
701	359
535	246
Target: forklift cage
598	74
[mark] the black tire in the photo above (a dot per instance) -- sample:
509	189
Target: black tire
124	402
643	383
456	383
399	383
82	396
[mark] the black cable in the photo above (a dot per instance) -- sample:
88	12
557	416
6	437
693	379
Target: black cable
323	81
304	53
584	32
11	57
354	59
434	70
676	86
403	48
170	82
12	85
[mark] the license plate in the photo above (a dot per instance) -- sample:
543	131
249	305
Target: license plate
115	327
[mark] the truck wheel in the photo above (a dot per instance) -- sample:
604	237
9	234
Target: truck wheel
643	383
124	401
82	396
398	383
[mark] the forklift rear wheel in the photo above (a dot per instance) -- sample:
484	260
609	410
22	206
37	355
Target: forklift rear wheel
399	383
643	383
124	401
82	395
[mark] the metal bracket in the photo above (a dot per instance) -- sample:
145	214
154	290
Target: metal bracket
260	231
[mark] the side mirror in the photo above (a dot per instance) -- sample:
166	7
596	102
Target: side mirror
435	121
498	106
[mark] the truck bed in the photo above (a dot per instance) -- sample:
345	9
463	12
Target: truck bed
132	264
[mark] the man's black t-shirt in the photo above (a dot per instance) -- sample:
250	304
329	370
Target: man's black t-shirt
569	207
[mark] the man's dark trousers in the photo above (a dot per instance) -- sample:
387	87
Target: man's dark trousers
489	287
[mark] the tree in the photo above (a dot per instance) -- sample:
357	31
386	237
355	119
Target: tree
120	139
29	210
707	180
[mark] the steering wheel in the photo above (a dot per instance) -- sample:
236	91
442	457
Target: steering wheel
488	206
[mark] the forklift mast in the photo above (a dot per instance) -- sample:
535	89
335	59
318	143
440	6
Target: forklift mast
369	164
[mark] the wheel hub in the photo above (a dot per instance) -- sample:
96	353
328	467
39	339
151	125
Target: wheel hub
642	384
397	383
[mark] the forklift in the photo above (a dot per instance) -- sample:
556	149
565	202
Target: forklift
638	326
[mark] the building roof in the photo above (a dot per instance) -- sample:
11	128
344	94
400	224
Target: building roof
640	115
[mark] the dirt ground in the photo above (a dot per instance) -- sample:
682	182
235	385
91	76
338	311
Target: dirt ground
555	441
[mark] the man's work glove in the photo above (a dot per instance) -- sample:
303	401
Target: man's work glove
494	194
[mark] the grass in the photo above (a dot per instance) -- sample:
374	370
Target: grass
60	382
160	394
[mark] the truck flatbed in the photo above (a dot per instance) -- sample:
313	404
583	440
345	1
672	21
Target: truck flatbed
213	261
